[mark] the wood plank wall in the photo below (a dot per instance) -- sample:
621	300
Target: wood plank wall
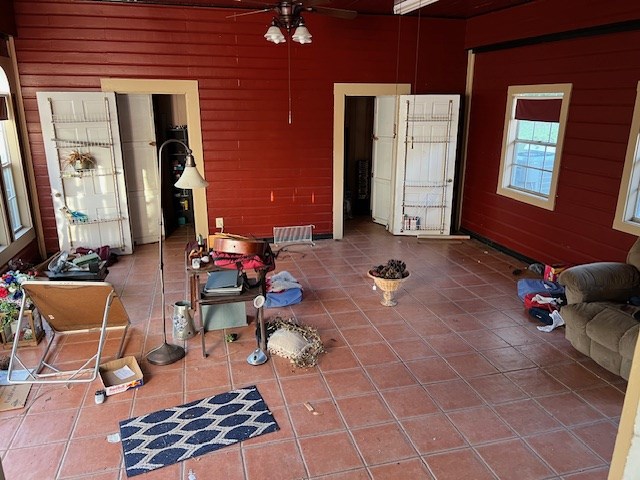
604	70
263	171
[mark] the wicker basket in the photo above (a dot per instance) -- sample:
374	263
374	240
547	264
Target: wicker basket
388	287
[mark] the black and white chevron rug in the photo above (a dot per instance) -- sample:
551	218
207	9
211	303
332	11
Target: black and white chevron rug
168	436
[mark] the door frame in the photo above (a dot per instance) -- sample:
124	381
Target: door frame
340	91
188	88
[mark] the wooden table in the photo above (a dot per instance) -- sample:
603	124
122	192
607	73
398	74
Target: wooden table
258	286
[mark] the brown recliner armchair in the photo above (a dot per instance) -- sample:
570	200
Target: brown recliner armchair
599	320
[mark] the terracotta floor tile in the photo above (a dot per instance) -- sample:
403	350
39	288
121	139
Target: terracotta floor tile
56	397
361	335
457	465
364	410
226	463
433	433
536	382
323	419
383	444
350	319
545	355
90	455
480	425
40	462
144	405
409	401
505	458
210	376
277	461
496	388
338	358
412	349
449	344
8	428
244	374
160	383
569	408
483	339
428	327
607	400
348	382
309	388
453	395
508	359
390	376
101	419
329	453
526	417
339	305
382	315
575	376
431	370
44	428
515	336
600	437
601	473
563	452
395	332
471	365
374	354
413	468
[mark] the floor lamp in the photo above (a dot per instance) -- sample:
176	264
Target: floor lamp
190	179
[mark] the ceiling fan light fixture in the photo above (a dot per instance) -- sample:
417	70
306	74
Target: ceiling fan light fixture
274	34
302	34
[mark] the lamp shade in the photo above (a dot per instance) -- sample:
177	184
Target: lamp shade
274	35
191	178
302	35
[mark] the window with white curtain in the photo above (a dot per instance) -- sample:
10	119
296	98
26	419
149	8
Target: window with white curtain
532	142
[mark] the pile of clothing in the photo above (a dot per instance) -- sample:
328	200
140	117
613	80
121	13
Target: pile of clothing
282	290
542	299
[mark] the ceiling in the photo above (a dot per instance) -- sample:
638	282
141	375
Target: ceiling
461	9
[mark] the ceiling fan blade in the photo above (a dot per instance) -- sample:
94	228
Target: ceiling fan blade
335	12
253	12
313	3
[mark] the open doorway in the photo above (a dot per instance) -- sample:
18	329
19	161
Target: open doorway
186	114
341	92
358	131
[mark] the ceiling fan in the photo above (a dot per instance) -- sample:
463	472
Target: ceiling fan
288	15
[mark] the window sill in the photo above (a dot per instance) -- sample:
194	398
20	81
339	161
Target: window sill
536	201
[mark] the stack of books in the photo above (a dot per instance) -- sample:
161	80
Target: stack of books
223	282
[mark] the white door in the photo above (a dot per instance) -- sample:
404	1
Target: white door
384	137
89	199
140	156
426	157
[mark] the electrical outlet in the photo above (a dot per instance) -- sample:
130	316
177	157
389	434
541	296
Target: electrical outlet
219	222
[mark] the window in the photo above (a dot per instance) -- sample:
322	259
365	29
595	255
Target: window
533	133
15	216
627	216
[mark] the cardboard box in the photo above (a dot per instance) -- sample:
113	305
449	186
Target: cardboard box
120	375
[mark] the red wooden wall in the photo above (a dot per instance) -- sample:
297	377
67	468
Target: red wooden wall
263	171
604	70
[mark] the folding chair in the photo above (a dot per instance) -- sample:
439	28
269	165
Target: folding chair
69	308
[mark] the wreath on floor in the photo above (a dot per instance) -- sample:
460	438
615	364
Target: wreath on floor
301	344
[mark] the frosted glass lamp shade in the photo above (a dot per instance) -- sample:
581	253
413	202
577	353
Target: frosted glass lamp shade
274	35
191	178
302	35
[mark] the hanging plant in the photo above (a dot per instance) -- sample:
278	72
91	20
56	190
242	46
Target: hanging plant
80	160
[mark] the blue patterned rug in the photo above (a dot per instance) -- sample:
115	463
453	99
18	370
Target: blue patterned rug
168	436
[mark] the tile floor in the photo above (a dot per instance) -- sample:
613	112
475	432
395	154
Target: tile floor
455	382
